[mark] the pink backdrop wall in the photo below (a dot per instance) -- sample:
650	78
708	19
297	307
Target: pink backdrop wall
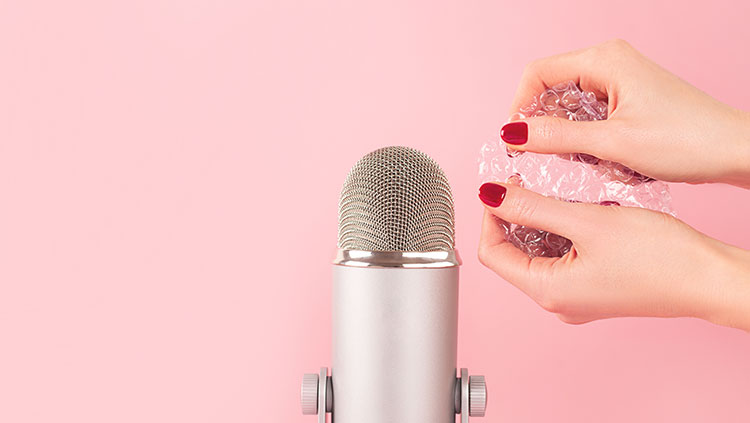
169	175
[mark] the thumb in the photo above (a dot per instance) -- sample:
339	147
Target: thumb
523	207
548	134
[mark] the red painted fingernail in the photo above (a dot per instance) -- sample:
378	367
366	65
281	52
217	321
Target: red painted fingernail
492	194
609	203
515	133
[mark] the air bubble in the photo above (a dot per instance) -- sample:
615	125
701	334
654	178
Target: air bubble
549	100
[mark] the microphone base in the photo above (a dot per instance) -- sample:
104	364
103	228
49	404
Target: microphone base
470	394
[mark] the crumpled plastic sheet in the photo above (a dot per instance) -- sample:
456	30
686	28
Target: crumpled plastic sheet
574	177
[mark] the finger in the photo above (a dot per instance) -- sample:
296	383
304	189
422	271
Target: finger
510	263
547	134
524	207
583	67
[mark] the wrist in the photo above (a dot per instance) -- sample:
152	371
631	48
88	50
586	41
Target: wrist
730	284
736	170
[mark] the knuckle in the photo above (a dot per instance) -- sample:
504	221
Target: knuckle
559	302
616	48
608	141
531	68
568	319
608	49
614	44
619	43
549	128
483	255
618	131
550	302
626	133
549	293
524	209
600	139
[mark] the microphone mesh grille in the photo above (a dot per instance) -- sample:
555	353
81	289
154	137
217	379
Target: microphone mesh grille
396	199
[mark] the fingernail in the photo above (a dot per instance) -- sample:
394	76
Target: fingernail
492	194
515	133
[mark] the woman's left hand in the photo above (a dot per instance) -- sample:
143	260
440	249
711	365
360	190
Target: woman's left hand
624	261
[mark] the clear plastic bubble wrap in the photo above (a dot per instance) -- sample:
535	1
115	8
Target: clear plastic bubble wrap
574	177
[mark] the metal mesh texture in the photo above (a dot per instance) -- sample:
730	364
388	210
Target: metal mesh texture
396	199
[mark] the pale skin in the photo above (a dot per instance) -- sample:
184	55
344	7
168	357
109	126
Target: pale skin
628	261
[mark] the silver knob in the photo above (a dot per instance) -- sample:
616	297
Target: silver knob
477	396
310	393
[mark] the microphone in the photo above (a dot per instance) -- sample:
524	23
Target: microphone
395	300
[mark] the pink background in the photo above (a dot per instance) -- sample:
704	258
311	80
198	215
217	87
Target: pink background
169	176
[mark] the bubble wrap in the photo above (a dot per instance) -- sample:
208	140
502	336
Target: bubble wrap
574	177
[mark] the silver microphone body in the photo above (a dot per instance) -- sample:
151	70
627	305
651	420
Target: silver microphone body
394	344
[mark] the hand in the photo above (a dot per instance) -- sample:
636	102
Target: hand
624	261
658	124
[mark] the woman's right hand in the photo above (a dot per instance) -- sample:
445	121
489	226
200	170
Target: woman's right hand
658	124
